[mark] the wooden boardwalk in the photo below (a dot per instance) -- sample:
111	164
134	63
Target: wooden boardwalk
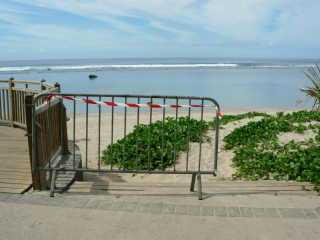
15	172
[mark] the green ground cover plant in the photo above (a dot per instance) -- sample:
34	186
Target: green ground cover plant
258	152
138	151
232	118
155	146
259	155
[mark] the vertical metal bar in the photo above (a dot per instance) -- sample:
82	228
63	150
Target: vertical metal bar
87	122
53	182
162	133
149	134
99	135
188	132
4	105
137	140
216	140
124	134
199	186
125	119
1	105
175	136
200	143
74	134
112	120
16	109
21	106
193	180
138	112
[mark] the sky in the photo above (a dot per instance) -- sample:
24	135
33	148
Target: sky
51	29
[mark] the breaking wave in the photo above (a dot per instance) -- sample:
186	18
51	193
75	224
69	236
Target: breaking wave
101	67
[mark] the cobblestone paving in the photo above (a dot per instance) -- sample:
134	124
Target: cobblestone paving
161	207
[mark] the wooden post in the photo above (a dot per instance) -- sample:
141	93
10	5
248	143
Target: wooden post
42	86
63	123
64	132
12	108
57	87
36	182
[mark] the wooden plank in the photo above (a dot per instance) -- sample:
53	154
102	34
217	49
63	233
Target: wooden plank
45	106
15	172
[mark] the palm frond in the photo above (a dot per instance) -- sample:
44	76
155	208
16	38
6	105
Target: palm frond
313	91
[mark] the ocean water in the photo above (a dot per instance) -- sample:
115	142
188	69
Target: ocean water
234	83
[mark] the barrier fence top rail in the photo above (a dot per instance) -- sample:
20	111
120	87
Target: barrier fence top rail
127	104
141	96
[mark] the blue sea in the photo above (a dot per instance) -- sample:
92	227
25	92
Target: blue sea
234	83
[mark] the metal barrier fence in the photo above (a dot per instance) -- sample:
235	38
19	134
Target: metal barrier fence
99	121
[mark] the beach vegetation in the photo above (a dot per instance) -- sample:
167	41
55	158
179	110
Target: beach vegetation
232	118
155	146
260	155
313	91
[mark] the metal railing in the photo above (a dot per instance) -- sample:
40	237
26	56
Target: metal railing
12	99
101	120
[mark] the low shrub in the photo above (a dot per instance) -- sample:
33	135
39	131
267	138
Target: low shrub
232	118
155	146
259	155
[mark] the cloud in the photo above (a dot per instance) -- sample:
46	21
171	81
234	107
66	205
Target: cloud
242	27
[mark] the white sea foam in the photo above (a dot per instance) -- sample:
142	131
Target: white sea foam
113	66
139	66
285	66
15	69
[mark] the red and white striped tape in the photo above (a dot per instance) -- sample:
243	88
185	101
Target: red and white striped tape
128	105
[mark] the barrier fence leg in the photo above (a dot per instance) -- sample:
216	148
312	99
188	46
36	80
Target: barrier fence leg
193	180
53	182
199	186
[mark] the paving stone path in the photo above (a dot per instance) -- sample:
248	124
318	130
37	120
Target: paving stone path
161	207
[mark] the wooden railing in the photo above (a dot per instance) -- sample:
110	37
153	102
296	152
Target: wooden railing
12	99
48	137
45	122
